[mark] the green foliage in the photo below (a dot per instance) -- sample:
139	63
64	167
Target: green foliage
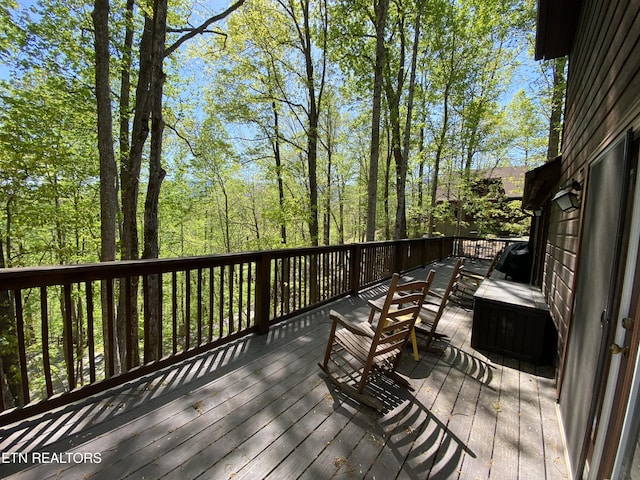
494	214
9	32
236	94
49	171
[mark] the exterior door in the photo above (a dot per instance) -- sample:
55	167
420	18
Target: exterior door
596	296
617	450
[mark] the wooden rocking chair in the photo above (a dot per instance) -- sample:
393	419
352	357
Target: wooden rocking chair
432	310
357	351
470	281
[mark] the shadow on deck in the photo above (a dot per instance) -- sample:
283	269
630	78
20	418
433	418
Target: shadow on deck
261	408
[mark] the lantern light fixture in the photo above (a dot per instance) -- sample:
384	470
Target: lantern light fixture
567	197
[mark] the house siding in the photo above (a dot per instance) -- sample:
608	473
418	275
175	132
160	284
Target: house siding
602	97
602	104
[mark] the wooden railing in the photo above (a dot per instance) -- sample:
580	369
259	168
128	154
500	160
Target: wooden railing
82	329
481	248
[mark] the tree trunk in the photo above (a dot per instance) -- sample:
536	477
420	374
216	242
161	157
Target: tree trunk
128	244
327	203
152	346
108	167
130	187
401	216
438	157
327	192
419	220
280	180
381	7
108	170
387	186
557	101
314	117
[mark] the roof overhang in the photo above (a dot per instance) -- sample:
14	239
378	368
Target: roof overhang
556	27
539	184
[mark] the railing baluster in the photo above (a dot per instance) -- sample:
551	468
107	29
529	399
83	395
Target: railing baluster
275	288
160	317
128	320
174	311
221	304
294	284
304	284
240	288
68	337
230	305
46	361
146	319
249	287
187	310
22	352
110	341
90	332
199	312
285	296
211	302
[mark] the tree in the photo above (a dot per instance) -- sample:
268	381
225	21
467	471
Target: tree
250	64
394	91
147	119
381	8
557	105
300	16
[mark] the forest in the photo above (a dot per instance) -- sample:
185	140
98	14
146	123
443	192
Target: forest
143	129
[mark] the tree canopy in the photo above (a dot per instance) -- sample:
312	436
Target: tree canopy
260	129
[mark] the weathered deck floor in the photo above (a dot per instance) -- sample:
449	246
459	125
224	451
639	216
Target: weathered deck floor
261	408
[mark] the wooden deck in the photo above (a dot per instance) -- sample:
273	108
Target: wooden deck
262	408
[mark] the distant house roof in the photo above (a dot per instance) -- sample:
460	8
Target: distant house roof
512	179
556	27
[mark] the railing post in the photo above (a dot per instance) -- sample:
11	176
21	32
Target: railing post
263	287
355	261
398	252
423	257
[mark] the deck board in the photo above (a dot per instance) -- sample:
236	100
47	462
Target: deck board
261	408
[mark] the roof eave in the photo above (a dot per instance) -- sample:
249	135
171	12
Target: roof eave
557	21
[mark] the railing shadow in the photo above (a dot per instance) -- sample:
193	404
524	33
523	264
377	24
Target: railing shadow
61	429
472	366
407	430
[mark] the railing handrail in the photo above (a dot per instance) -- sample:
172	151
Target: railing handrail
47	275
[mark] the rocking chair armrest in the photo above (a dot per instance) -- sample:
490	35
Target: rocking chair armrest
355	328
471	275
378	304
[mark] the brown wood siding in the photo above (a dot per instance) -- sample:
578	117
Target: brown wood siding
603	88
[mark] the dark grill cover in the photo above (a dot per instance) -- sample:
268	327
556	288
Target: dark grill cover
515	262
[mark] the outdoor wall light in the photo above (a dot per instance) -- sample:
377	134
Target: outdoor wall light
567	198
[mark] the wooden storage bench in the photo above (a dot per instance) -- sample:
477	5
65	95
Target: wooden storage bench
513	319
